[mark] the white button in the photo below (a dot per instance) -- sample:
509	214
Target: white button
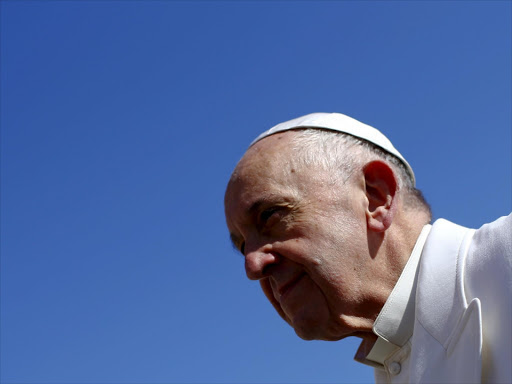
395	368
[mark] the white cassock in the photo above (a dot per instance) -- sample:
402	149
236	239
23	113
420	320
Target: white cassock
449	317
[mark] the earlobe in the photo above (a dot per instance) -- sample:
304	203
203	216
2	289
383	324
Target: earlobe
381	189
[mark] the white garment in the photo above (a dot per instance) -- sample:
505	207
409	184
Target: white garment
463	309
395	324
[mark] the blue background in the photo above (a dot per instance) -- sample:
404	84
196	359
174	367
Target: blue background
121	122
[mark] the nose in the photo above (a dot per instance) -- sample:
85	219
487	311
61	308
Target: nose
257	262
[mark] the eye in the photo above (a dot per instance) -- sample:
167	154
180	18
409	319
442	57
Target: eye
267	214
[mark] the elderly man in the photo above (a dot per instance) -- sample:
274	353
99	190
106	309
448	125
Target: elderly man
326	213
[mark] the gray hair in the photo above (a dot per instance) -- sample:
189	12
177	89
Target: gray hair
346	153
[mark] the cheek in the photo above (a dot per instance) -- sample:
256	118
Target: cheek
267	290
310	313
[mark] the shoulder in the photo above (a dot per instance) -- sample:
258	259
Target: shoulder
491	251
488	277
488	264
494	239
440	300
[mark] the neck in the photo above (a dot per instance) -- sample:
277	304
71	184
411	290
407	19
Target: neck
391	251
394	251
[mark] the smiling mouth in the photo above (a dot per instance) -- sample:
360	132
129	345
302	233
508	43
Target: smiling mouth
285	289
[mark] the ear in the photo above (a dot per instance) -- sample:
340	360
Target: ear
381	192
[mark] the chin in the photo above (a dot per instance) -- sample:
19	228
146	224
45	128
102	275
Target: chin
312	331
313	322
305	335
309	335
315	331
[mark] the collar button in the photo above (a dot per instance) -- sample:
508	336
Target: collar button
394	368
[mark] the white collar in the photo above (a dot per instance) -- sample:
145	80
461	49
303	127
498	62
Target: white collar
395	323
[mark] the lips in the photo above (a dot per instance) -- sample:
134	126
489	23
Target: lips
288	287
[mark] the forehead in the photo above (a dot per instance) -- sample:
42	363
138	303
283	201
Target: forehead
266	167
268	174
266	152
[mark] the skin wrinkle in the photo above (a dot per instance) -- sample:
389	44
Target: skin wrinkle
323	234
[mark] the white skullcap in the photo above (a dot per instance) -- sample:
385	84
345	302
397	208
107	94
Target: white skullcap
340	123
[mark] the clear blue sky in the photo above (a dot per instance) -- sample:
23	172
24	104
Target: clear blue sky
121	122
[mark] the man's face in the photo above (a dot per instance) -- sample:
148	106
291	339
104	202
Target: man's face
304	238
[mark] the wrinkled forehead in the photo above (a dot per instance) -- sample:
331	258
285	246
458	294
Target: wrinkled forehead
267	152
266	168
